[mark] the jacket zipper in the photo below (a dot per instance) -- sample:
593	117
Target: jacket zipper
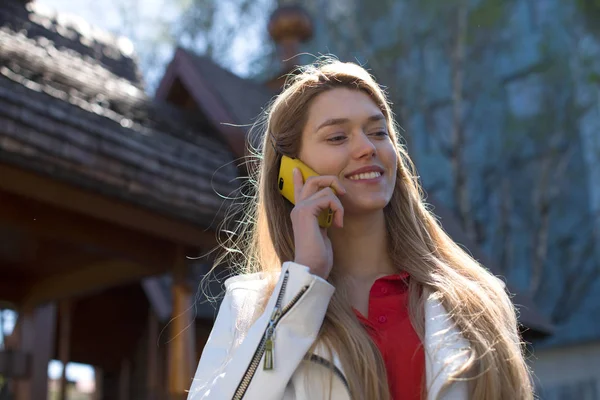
328	364
266	344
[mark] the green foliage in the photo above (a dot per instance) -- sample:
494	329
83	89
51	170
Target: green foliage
373	11
594	77
488	13
590	12
484	14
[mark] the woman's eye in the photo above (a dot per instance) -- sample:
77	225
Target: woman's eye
380	133
337	138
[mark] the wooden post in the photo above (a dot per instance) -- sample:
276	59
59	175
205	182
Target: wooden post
182	333
98	384
37	338
14	342
152	377
162	370
125	380
64	343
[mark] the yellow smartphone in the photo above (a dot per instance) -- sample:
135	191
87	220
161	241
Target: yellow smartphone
286	184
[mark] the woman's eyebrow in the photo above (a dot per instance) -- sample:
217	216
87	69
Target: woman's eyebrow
340	121
376	117
333	121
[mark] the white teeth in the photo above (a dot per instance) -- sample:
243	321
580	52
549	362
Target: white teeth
368	175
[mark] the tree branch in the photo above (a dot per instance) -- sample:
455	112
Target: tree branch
545	195
460	187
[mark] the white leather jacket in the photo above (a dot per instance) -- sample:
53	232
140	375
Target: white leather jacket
232	365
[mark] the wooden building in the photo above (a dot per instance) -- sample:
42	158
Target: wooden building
106	193
100	187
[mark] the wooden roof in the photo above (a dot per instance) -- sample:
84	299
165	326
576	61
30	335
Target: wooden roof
244	98
80	119
230	103
70	32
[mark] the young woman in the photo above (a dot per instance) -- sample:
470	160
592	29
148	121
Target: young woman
382	304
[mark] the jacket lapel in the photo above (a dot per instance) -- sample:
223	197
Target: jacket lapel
322	352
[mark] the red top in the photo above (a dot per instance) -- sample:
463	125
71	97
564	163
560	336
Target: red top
389	326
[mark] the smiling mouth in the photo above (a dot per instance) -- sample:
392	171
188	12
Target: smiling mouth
365	175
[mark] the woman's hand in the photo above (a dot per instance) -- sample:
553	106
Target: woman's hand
312	246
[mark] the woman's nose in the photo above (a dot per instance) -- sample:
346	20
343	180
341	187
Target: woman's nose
363	146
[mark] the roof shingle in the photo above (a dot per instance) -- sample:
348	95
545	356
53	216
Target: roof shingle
73	34
71	117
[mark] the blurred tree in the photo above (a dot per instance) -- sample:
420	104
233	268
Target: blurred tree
231	32
590	12
225	30
492	107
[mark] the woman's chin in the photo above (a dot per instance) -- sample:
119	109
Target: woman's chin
365	206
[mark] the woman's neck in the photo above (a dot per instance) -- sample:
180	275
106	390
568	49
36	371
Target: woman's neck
360	249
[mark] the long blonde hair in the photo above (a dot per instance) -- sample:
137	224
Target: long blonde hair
475	299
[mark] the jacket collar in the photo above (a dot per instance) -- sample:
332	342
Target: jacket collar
445	351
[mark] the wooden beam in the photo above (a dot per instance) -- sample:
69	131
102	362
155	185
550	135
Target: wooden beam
37	337
98	384
57	223
62	195
163	370
182	352
57	256
11	292
64	342
125	380
152	377
88	279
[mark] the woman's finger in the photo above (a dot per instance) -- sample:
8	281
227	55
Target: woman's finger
298	184
322	202
327	191
315	183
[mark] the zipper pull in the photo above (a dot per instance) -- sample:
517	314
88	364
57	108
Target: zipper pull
268	364
269	361
275	316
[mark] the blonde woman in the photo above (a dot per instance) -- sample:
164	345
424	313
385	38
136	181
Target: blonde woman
382	304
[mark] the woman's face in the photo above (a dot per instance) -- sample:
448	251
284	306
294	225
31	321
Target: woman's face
346	135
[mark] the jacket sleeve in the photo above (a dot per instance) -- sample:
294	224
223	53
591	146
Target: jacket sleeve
221	370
